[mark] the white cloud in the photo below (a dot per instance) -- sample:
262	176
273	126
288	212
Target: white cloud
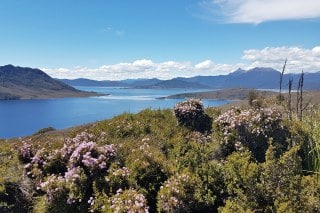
204	65
143	69
258	11
143	63
298	58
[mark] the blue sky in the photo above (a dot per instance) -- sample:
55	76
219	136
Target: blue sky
117	39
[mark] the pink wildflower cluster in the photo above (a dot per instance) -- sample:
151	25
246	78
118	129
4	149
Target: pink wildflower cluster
128	201
191	114
34	169
188	110
25	152
70	167
199	137
53	185
172	195
93	158
121	172
144	148
82	151
73	174
242	127
71	143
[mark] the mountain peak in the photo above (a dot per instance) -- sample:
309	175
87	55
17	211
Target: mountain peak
262	69
24	82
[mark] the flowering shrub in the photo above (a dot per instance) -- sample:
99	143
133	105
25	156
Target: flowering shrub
118	178
25	153
81	160
128	201
190	113
53	186
252	129
34	169
161	167
177	194
148	170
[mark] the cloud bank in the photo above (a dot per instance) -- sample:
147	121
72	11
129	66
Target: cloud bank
143	68
258	11
298	59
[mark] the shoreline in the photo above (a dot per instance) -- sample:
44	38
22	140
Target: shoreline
233	94
80	94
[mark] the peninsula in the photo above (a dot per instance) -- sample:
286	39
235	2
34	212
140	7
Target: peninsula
28	83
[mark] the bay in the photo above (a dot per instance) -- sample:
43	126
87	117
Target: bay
25	117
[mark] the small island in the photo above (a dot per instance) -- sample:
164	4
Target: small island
28	83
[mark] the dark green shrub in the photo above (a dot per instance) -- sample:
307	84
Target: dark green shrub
14	199
241	176
44	130
148	170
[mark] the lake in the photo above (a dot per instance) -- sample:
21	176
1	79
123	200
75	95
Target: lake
25	117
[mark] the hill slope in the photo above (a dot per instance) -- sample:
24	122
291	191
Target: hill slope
28	83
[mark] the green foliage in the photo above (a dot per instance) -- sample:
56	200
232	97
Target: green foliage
241	175
234	206
178	194
249	160
255	99
281	177
148	168
14	196
311	145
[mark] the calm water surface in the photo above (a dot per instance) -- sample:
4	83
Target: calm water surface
24	117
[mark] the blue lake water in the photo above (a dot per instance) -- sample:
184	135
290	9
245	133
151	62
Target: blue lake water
25	117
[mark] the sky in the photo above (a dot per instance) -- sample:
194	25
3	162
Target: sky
122	39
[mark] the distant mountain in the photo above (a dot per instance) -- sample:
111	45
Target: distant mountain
27	83
311	80
92	83
123	83
142	82
175	84
259	78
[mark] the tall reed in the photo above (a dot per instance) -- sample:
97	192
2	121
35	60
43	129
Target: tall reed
312	149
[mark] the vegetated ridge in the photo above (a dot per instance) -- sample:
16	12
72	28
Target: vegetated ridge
226	94
189	159
27	83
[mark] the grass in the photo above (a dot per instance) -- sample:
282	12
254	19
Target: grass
311	125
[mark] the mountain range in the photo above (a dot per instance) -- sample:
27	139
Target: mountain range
258	78
27	83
